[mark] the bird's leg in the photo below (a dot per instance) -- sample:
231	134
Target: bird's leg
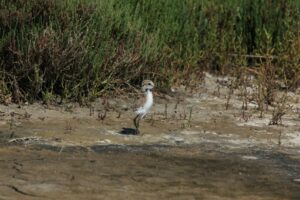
136	122
138	125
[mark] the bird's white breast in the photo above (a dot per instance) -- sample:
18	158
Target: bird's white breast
149	100
147	105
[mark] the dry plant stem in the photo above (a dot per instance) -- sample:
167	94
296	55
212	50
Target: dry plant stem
92	110
279	138
119	114
245	94
184	114
228	98
68	126
244	97
176	105
279	111
182	126
175	108
166	111
27	115
102	116
190	116
11	123
12	134
152	120
260	101
255	56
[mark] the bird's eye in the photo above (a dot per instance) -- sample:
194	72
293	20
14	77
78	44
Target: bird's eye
149	83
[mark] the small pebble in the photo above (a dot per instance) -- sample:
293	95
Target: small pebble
249	158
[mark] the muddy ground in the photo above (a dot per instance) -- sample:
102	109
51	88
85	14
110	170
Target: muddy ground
190	147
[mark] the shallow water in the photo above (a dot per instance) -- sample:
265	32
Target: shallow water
147	172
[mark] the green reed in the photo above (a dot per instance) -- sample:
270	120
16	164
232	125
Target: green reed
82	49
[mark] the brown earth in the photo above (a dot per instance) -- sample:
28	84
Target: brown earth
190	148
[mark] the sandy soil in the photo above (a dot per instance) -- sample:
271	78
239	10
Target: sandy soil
190	147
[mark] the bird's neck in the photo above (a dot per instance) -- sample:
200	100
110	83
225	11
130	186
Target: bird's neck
149	97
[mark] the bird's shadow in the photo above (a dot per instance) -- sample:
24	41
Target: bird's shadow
128	131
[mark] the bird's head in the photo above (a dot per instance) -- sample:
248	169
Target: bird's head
147	85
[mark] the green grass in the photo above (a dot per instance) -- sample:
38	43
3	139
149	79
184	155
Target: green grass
82	49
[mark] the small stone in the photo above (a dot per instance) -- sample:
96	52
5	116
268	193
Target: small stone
296	180
249	157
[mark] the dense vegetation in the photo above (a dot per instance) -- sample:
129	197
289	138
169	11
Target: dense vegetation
80	49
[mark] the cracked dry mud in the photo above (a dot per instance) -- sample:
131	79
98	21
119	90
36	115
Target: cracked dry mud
67	152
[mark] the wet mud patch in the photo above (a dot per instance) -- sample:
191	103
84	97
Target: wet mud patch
147	172
131	148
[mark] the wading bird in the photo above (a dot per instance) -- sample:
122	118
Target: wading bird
145	105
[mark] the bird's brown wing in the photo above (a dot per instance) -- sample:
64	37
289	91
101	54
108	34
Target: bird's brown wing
139	101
